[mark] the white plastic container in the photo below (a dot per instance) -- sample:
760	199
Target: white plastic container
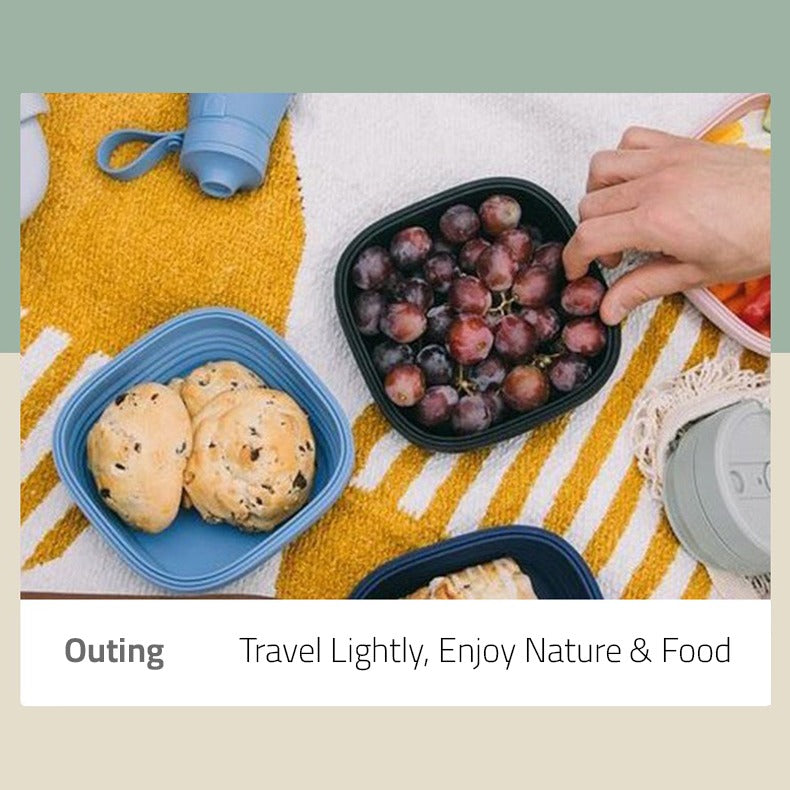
33	154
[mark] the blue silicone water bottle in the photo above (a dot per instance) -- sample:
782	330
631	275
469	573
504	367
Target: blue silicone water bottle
225	145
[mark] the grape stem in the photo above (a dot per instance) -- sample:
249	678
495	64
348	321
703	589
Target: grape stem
461	382
543	361
503	307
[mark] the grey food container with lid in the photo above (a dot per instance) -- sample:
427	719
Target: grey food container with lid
717	490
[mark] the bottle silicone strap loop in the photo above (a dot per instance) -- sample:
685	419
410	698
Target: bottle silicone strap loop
160	144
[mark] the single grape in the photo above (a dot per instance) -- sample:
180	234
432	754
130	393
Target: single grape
488	374
368	309
534	286
545	320
496	405
582	297
469	339
436	405
459	224
526	387
499	213
514	338
439	320
496	268
468	295
403	322
470	415
418	292
405	384
410	247
586	336
372	268
470	252
517	242
569	372
436	364
549	256
388	354
439	271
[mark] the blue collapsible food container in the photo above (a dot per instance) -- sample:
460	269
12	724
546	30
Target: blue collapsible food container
553	565
192	556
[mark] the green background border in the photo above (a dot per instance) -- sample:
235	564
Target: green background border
605	46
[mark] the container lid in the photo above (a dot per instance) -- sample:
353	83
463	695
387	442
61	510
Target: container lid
686	514
32	104
732	476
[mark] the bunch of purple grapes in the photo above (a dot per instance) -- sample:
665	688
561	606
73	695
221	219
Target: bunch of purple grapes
478	323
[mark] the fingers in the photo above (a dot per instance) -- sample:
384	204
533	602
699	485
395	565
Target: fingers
640	152
658	277
610	209
603	236
608	168
610	200
639	137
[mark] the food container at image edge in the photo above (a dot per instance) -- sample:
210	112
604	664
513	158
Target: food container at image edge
192	556
539	208
553	565
708	304
718	489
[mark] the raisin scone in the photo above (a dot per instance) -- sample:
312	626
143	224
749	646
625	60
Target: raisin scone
500	578
137	453
203	384
253	459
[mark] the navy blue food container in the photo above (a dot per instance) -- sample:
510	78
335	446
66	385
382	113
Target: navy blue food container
540	208
553	565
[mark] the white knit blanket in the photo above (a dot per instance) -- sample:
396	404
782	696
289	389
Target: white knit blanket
362	156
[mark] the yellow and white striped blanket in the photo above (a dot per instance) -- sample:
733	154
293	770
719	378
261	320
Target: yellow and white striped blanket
104	262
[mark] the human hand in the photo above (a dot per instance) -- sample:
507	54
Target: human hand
703	209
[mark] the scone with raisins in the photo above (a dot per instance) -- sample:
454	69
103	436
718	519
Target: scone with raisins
253	459
203	384
137	453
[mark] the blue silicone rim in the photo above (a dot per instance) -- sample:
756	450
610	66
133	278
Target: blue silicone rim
297	376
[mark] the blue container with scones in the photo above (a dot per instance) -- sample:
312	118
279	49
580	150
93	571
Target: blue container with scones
552	567
191	555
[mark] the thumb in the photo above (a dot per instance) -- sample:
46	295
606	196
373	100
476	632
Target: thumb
657	277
